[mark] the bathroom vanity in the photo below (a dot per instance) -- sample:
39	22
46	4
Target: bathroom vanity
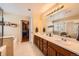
54	46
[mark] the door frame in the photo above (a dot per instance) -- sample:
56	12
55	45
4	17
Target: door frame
30	19
22	29
31	29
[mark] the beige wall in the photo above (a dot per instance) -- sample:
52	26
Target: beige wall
37	22
39	19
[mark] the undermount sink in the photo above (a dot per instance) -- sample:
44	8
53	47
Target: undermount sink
64	41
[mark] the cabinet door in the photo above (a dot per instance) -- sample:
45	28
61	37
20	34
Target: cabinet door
38	42
51	51
59	50
41	44
34	40
45	51
45	47
63	52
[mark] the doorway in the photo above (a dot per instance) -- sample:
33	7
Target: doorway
25	30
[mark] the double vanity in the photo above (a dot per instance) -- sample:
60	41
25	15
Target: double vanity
56	45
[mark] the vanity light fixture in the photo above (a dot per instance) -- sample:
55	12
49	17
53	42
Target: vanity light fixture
57	9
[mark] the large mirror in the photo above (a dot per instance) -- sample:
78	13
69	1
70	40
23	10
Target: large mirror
63	27
64	22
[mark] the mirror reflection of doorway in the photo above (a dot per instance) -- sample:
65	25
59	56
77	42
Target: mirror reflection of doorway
25	30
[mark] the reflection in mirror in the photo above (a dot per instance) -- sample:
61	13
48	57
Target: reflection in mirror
68	29
59	27
1	26
72	30
44	29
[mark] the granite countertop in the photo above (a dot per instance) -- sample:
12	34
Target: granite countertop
71	44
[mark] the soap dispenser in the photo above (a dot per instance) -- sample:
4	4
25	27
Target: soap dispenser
44	30
36	30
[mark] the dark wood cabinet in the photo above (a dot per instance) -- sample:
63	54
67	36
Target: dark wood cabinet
59	51
59	54
35	40
41	44
45	47
51	49
38	42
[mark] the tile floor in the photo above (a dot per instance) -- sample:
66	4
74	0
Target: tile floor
27	49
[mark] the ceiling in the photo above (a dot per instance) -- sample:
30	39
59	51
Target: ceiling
22	8
13	9
35	7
